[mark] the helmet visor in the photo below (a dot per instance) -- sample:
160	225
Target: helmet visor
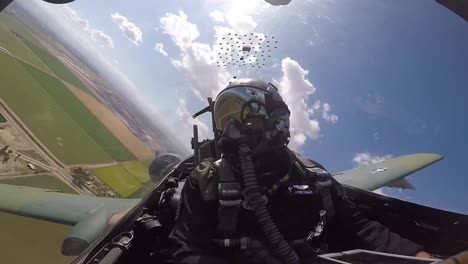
235	101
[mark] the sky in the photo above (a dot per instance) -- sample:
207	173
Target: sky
365	80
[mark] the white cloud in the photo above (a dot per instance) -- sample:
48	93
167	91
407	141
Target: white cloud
99	35
365	158
295	89
326	108
159	47
376	136
317	104
96	35
187	122
326	114
217	16
129	29
238	21
181	31
241	23
197	61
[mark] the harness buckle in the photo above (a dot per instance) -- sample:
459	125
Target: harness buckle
229	206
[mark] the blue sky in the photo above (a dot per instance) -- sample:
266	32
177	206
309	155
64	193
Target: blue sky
392	74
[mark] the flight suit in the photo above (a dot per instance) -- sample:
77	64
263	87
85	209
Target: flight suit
295	211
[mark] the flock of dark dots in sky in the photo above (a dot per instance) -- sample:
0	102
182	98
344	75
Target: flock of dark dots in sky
246	50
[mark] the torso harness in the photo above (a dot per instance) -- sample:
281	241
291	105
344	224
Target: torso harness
232	198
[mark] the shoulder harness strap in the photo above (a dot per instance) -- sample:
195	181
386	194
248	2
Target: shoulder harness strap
230	195
322	181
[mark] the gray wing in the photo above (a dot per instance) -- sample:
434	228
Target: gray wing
390	172
89	216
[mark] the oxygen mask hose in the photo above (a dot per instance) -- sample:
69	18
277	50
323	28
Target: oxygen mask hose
257	202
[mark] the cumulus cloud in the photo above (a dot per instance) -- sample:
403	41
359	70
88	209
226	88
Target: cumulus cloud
366	158
129	29
96	35
239	22
197	61
326	109
332	118
217	16
159	47
187	122
317	104
182	32
295	89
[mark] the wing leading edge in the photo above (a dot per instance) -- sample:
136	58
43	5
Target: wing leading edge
386	173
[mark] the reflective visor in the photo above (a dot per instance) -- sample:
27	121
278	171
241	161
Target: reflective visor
231	102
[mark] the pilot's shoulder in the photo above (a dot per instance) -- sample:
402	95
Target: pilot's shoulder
207	175
305	162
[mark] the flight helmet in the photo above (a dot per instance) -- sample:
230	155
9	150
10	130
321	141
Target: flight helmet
252	108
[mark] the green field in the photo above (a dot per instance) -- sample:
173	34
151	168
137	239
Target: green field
58	97
142	191
2	119
47	119
56	66
138	169
11	42
129	179
11	22
44	181
119	179
78	112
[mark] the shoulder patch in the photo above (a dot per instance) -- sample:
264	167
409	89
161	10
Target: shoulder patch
208	176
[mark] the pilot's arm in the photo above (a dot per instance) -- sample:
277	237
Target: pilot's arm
365	233
194	226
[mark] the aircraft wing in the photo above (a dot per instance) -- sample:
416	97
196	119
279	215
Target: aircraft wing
390	172
88	215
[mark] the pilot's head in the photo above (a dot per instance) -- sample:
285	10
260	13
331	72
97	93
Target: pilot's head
255	110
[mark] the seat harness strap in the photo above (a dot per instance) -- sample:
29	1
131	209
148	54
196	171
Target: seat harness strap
230	198
321	182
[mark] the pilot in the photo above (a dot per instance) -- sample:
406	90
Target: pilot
262	202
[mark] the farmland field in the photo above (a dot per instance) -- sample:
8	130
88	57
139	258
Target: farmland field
81	115
112	122
44	181
9	41
137	169
142	191
119	179
41	113
13	23
55	65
